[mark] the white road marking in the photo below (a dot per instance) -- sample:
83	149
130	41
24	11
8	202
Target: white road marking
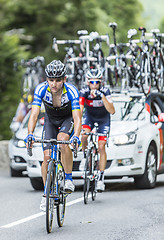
38	215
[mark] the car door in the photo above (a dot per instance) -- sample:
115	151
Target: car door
156	108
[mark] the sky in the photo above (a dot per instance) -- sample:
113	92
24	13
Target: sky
153	12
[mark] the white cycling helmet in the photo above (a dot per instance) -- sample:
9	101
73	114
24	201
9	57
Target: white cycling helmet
55	69
94	74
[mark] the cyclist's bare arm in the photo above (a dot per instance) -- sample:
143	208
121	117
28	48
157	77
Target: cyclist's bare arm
76	114
81	108
33	119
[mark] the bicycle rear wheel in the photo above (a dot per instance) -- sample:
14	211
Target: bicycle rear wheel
50	197
160	73
87	176
146	78
62	197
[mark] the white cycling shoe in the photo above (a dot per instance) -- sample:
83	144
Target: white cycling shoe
69	187
43	204
100	186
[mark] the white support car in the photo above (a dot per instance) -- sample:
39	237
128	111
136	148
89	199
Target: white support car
135	147
17	149
136	139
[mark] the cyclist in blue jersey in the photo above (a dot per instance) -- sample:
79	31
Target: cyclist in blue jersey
98	106
62	118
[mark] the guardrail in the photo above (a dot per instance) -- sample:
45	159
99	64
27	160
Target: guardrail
4	157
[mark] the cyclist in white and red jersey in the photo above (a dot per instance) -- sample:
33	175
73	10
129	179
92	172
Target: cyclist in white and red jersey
62	118
98	106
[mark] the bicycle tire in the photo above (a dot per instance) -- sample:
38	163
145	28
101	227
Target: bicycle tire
62	198
160	74
86	187
146	79
93	189
94	179
49	196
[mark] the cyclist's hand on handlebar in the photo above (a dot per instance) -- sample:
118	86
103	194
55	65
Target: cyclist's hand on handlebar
75	138
29	137
75	142
29	140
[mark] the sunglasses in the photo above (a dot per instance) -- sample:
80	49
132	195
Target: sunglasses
92	82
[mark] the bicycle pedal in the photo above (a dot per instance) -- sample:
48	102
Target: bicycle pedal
99	191
67	192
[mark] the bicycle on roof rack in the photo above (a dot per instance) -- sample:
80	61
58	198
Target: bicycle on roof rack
34	74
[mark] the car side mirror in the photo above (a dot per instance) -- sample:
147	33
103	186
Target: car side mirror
161	117
14	126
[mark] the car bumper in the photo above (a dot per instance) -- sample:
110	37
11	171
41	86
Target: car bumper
17	157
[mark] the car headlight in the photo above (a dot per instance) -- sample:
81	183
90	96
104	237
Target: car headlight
19	143
125	139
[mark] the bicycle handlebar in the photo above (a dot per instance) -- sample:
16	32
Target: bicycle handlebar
99	134
56	42
82	59
53	142
66	41
96	134
113	57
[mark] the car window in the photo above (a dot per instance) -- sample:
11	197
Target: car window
41	115
131	110
155	109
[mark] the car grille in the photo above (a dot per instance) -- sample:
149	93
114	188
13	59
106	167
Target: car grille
77	163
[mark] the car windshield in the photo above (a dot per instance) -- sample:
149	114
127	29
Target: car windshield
128	108
40	121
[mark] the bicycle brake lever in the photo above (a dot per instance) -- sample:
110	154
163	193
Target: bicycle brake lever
29	149
74	148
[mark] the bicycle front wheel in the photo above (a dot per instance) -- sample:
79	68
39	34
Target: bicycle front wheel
87	174
94	174
50	196
62	197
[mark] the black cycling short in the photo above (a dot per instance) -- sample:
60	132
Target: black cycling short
51	130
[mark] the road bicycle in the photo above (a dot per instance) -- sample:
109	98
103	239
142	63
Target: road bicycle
54	187
157	59
116	66
91	165
33	75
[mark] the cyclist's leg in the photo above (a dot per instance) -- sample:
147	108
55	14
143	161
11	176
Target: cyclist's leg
49	131
66	153
66	130
103	156
104	129
87	125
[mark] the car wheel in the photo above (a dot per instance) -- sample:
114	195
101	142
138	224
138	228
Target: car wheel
37	184
148	179
15	173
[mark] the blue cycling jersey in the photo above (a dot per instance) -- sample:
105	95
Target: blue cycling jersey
69	100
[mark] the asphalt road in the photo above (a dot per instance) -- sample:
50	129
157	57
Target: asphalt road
120	213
